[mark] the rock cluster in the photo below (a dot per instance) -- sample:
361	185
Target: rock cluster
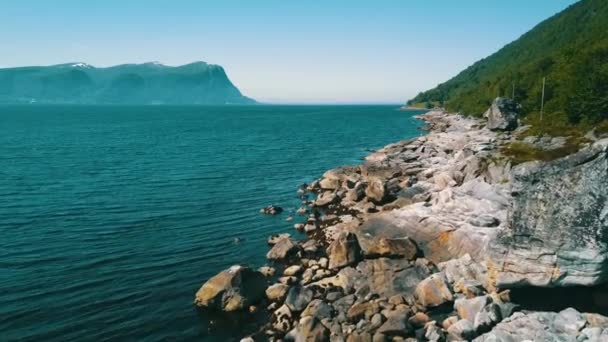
271	210
423	241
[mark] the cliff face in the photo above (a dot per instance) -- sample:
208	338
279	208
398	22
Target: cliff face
149	83
559	222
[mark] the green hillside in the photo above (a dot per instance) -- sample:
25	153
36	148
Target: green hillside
569	49
148	83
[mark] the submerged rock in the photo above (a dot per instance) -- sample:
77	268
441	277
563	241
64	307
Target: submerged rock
233	289
271	210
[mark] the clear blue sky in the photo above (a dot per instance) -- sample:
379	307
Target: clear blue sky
277	50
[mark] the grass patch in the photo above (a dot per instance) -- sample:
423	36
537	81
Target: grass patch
554	125
557	125
519	152
602	127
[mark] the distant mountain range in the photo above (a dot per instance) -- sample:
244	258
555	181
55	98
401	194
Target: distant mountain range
148	83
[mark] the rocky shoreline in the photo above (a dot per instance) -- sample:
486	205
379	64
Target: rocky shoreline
437	238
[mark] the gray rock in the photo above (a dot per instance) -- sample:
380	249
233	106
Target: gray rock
469	308
396	325
487	318
484	220
344	251
293	270
356	193
433	291
362	310
593	334
283	249
462	330
319	309
267	271
376	321
273	239
383	277
559	224
362	336
378	337
392	247
376	190
535	326
233	289
433	333
311	247
329	183
276	292
309	329
298	298
502	115
569	321
344	303
282	319
326	198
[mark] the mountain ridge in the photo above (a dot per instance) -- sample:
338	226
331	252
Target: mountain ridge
144	83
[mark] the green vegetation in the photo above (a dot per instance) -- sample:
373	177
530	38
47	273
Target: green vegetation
570	50
519	152
424	105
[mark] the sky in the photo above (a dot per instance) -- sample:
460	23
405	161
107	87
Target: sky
277	51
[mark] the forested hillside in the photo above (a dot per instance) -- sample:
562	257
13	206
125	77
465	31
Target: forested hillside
569	49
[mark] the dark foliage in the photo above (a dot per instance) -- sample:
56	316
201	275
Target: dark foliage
570	50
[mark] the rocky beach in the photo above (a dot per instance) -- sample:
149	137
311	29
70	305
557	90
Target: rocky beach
440	237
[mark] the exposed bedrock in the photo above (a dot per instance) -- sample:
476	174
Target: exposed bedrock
559	223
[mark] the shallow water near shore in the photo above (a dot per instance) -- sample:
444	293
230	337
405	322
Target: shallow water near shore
112	217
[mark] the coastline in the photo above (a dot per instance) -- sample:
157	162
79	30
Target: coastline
414	243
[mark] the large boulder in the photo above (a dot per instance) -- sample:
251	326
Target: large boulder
558	234
433	291
233	289
283	249
502	115
298	298
344	251
566	325
376	190
469	308
309	329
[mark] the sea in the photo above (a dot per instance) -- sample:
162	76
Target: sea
112	217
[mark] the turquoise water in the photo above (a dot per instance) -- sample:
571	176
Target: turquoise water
112	217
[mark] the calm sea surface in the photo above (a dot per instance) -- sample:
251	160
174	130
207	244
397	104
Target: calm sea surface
112	217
